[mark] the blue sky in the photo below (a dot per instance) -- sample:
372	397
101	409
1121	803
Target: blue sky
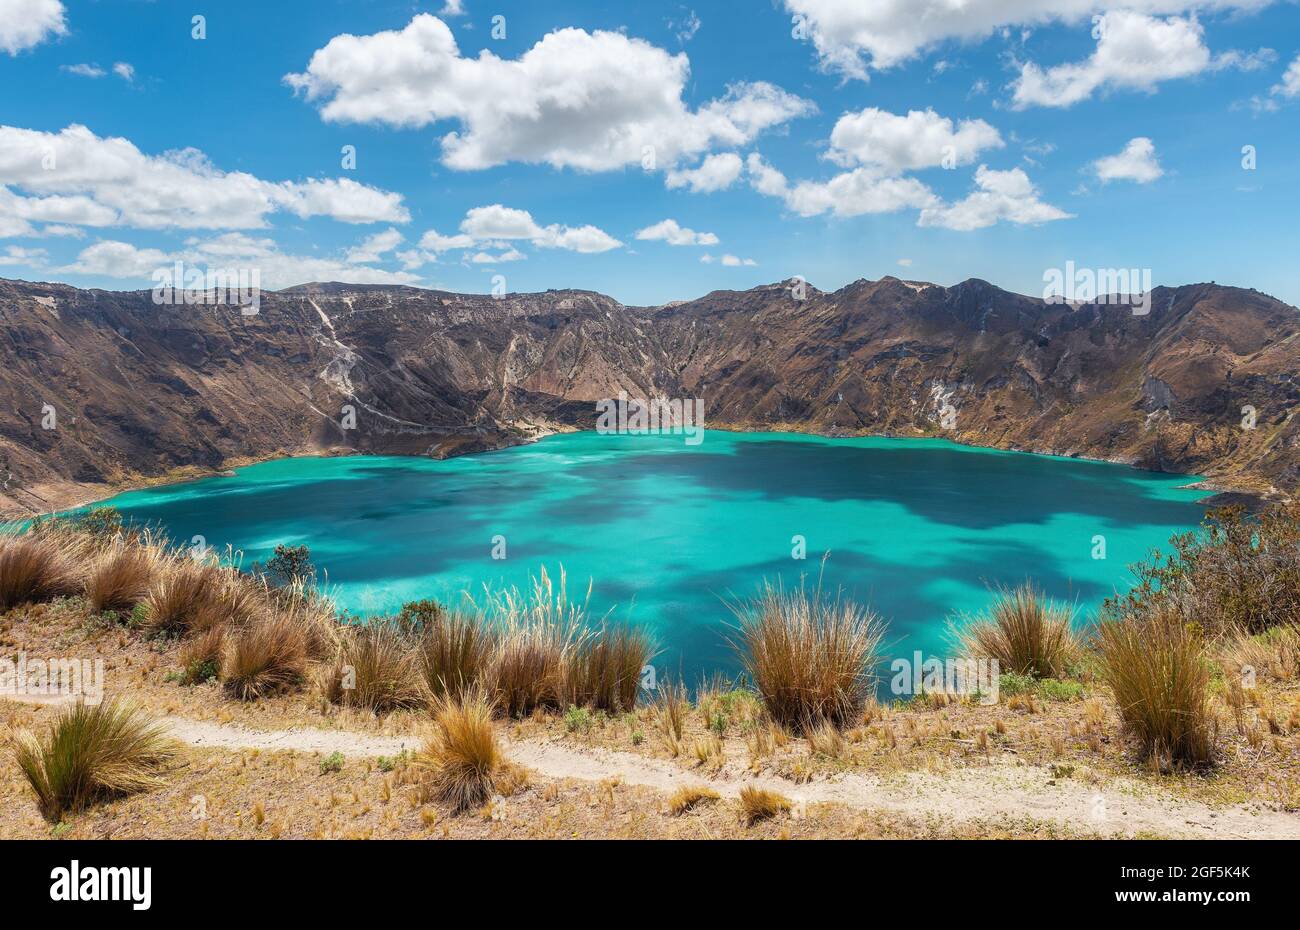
1040	133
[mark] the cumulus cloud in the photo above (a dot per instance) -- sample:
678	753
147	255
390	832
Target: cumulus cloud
715	173
1134	52
1137	162
17	255
921	139
495	227
669	231
999	195
25	23
853	36
124	261
77	177
591	101
125	71
373	249
852	193
1289	86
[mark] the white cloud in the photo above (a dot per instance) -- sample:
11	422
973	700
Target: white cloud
715	173
1137	162
1000	195
851	36
435	242
125	261
590	101
485	258
17	255
921	139
1134	52
731	261
853	193
453	8
686	27
25	23
84	70
76	177
373	248
905	263
669	231
501	222
1290	84
125	71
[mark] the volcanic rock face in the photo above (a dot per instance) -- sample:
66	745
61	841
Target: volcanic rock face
100	388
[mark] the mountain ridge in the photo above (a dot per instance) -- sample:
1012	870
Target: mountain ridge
143	392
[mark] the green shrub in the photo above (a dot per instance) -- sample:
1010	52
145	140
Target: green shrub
332	763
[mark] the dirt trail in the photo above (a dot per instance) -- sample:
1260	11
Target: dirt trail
996	793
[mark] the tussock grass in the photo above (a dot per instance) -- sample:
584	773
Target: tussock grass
1159	672
604	670
760	804
201	656
93	753
185	599
1275	653
1026	633
38	567
377	668
267	657
810	658
688	796
461	762
120	578
537	632
456	649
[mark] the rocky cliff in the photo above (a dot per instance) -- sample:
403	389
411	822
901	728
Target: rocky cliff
100	389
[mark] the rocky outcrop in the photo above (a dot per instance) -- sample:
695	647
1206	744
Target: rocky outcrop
99	388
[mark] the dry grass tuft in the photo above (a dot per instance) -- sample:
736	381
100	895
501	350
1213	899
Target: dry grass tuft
1159	674
269	656
456	651
37	567
377	668
1025	632
688	796
201	657
93	753
760	804
461	761
120	578
604	671
537	635
810	658
185	599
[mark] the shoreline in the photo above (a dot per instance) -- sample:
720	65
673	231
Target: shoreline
72	495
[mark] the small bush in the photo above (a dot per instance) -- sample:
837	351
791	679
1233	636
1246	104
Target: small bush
1159	674
93	753
461	761
810	658
1012	683
1025	632
290	565
36	567
332	763
1056	689
577	719
759	804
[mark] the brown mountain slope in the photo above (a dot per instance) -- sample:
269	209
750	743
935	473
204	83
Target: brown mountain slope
140	391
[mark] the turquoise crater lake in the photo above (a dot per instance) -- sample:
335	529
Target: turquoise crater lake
668	532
